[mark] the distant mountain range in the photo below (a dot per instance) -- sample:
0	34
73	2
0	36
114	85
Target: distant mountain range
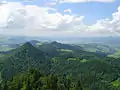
73	40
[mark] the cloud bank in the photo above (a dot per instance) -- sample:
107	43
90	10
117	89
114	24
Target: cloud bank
68	10
76	1
84	1
32	20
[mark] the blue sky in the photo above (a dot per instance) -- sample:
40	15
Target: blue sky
60	17
92	11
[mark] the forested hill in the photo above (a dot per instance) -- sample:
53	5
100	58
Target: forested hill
95	71
21	58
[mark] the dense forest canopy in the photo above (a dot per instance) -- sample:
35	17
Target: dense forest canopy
58	66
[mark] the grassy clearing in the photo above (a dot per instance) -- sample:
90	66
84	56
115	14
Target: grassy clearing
5	48
91	49
72	59
115	55
38	44
83	61
66	50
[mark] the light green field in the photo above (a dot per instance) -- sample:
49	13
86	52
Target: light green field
95	48
5	48
65	50
54	59
72	59
116	54
83	61
38	44
91	50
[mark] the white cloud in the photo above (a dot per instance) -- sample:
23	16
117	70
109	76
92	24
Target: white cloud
16	18
84	1
32	20
108	26
51	4
28	0
68	10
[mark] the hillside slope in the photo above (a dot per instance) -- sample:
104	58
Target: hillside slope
22	58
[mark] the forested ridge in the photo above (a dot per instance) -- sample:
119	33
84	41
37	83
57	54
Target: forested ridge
56	66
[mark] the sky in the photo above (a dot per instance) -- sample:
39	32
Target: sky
60	17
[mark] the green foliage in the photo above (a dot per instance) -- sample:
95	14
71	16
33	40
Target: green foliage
34	80
54	70
21	58
116	83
